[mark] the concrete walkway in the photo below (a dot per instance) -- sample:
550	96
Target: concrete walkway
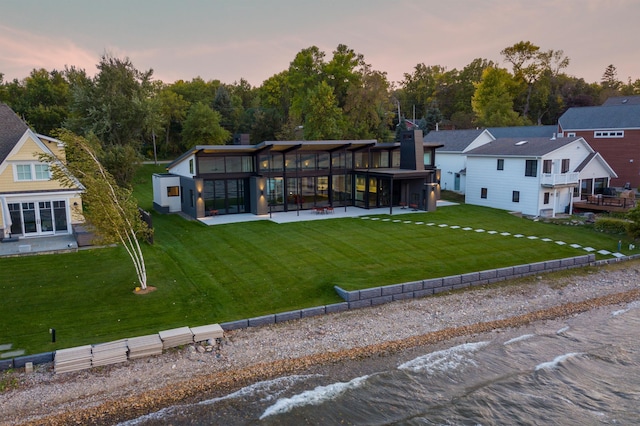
306	215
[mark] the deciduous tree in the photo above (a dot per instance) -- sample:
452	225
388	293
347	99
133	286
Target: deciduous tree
110	210
493	99
202	127
324	117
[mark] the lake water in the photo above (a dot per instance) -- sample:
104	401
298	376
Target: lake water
583	370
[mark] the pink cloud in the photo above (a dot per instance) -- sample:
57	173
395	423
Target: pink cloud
22	51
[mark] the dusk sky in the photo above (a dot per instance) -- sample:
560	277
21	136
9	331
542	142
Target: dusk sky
255	39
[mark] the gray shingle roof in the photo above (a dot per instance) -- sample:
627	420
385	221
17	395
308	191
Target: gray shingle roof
523	131
622	100
519	147
452	140
11	130
601	117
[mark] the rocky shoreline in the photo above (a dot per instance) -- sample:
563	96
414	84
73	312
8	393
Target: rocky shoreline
116	393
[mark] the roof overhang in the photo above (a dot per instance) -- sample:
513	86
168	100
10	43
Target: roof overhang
396	173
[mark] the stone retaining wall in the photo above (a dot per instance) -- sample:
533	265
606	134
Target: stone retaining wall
378	295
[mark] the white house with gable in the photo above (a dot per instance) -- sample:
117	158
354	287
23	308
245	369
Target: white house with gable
451	158
535	176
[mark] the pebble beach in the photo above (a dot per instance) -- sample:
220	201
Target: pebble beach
109	395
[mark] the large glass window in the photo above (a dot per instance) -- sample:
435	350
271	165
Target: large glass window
546	166
341	190
308	161
323	161
234	164
291	162
599	185
586	186
362	160
379	159
211	165
224	196
361	186
341	159
322	190
263	163
276	163
247	163
565	165
294	198
428	158
395	159
373	192
275	193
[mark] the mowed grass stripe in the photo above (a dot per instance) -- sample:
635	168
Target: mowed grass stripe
214	274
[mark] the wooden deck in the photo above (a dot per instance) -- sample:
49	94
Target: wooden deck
605	204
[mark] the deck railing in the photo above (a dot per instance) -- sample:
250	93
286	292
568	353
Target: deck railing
553	179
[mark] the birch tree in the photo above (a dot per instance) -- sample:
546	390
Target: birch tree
110	210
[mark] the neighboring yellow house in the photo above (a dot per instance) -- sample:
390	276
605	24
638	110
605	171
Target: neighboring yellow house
31	203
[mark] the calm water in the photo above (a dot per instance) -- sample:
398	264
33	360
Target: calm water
584	370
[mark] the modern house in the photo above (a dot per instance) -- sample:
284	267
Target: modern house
277	176
452	159
31	203
613	130
535	176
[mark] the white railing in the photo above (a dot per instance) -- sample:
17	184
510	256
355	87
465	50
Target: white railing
553	179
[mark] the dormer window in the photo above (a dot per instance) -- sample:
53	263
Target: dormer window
29	172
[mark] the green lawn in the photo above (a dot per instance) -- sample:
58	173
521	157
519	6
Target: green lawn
221	273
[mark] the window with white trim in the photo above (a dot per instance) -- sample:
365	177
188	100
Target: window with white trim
23	172
33	171
609	134
42	171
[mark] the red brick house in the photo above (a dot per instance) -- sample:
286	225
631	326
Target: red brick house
613	130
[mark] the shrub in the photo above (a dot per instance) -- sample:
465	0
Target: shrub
633	227
611	225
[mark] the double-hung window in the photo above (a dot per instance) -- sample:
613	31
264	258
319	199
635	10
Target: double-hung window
531	168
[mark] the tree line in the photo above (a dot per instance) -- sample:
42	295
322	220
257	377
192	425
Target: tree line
135	116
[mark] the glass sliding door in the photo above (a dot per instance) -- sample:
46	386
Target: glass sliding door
29	219
46	217
275	192
60	216
294	198
38	218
